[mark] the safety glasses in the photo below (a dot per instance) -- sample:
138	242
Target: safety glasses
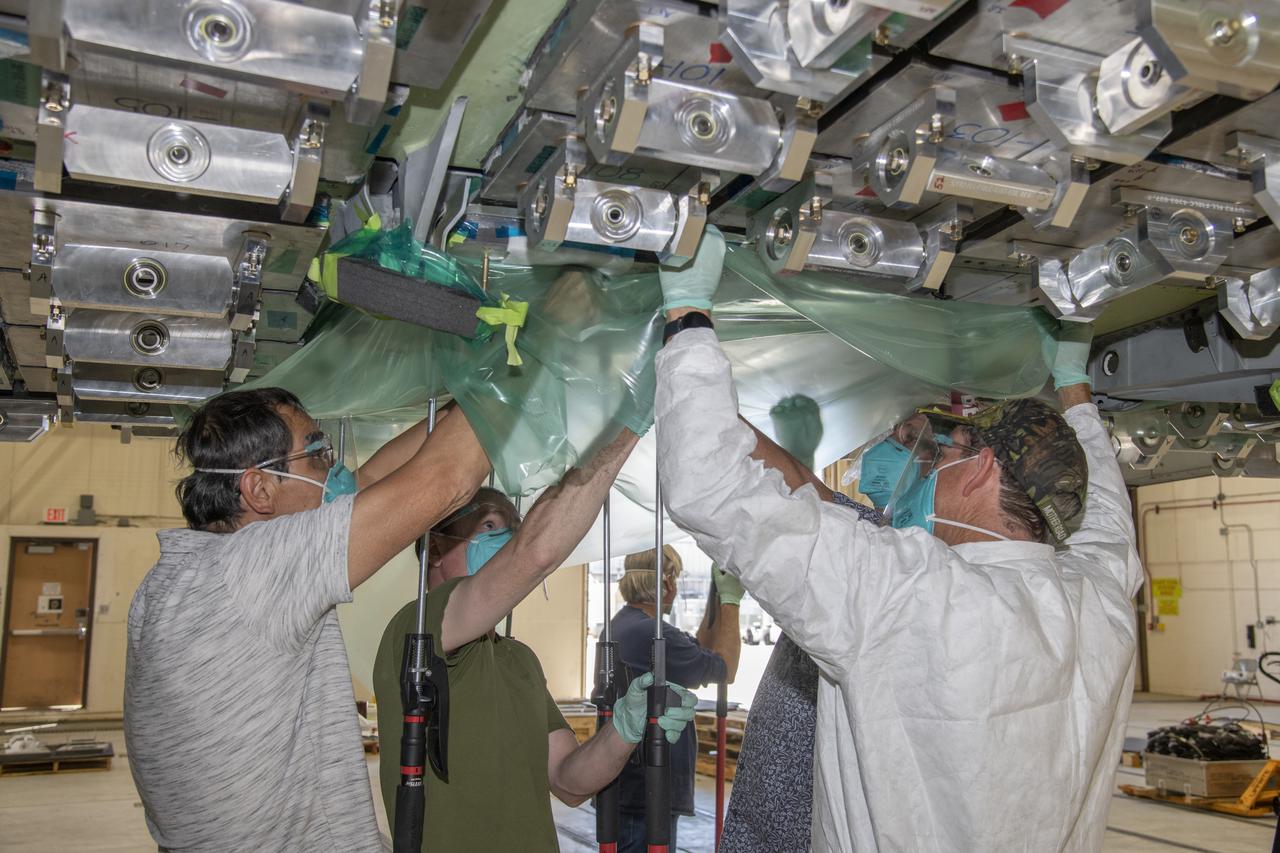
321	448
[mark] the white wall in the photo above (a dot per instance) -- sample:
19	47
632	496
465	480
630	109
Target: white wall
1188	653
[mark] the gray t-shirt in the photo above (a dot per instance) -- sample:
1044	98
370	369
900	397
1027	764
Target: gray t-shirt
239	716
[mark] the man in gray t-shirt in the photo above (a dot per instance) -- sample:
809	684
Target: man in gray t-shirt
239	715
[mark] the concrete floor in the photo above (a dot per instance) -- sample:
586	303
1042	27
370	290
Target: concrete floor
99	811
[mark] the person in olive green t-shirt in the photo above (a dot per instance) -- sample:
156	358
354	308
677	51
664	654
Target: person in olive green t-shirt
509	747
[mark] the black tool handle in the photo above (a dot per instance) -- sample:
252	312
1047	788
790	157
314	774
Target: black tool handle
410	795
411	805
603	697
657	774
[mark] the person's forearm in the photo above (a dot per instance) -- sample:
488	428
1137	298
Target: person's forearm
551	530
591	766
726	639
1074	395
389	515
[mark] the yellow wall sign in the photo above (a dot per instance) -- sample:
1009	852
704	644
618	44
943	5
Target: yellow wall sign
1166	588
1167	606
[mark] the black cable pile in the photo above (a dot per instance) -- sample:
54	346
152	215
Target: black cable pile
1226	741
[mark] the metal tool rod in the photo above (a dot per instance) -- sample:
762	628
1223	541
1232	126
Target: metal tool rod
606	633
422	560
657	752
603	696
722	715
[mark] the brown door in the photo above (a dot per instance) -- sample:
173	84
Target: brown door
48	616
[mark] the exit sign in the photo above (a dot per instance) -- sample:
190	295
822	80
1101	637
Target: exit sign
55	515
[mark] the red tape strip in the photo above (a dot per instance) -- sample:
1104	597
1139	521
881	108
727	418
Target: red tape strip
410	771
1043	8
1014	111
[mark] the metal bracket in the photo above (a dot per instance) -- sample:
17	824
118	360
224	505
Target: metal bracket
1135	89
46	38
755	31
1058	85
378	31
44	249
905	157
51	130
631	111
55	343
241	357
248	281
1262	156
308	149
1079	289
559	205
820	33
785	231
1192	236
1252	307
1071	176
1231	47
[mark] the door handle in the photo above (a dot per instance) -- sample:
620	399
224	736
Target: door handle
49	632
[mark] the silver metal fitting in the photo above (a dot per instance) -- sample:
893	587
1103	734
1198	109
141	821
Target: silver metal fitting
1252	307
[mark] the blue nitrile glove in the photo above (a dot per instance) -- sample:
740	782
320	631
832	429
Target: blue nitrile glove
729	587
1073	354
693	285
631	711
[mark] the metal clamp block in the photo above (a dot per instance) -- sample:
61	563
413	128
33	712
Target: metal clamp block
755	32
1227	46
905	158
1135	89
111	337
1058	85
1262	155
201	158
632	112
1252	307
339	55
65	390
1192	237
51	130
1079	289
784	232
559	205
820	32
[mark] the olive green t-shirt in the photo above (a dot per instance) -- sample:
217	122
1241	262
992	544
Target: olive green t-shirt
500	715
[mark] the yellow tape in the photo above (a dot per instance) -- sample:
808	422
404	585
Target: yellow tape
512	315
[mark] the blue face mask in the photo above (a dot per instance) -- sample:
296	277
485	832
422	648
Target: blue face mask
481	548
881	467
341	481
914	507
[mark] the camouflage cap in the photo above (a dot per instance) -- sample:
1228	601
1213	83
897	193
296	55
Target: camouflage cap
1037	446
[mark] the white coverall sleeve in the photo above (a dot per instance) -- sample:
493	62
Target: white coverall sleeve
802	558
1107	527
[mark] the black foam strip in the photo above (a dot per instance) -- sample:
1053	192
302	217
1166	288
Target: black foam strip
366	285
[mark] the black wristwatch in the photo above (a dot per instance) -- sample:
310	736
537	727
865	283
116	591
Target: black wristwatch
692	320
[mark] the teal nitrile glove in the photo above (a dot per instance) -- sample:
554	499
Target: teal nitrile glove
729	587
797	422
1073	354
693	285
631	711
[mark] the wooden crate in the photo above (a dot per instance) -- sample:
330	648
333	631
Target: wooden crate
43	763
